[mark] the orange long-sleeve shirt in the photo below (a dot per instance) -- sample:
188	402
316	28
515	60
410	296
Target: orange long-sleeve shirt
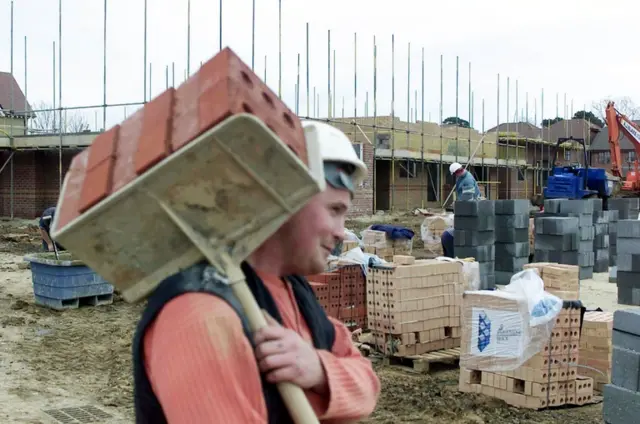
202	367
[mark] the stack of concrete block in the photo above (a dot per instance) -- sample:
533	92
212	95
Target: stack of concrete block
474	236
622	396
415	308
628	208
613	237
628	276
595	347
601	240
565	233
512	238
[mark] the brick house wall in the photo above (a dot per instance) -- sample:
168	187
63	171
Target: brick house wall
35	181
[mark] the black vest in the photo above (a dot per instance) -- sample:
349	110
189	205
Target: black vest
204	278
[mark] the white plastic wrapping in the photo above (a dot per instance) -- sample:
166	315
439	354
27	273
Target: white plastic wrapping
503	329
470	271
431	230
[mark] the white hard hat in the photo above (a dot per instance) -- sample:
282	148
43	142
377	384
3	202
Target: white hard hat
454	167
335	147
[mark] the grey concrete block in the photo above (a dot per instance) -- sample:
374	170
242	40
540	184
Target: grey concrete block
613	238
613	215
583	219
628	228
506	263
625	368
581	206
487	281
624	203
503	277
629	262
474	208
473	238
511	235
627	321
552	205
512	221
480	253
517	250
601	265
541	255
628	245
512	207
583	259
565	241
597	204
587	233
613	249
585	272
556	225
586	246
628	295
601	241
621	406
612	259
625	340
628	279
479	223
601	229
486	267
601	217
601	254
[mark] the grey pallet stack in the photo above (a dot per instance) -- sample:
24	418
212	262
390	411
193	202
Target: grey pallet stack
474	236
601	240
628	277
622	396
512	238
628	208
565	233
613	237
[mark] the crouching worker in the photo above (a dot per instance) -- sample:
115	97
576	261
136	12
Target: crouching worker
194	358
447	243
45	230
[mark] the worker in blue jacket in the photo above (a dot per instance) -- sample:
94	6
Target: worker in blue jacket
447	243
466	186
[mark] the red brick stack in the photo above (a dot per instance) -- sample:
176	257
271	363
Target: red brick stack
342	294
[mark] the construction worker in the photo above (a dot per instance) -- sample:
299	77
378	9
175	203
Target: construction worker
195	361
466	186
447	243
45	229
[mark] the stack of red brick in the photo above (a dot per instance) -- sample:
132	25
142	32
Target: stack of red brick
342	294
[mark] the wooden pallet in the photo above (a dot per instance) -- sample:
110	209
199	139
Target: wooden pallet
422	363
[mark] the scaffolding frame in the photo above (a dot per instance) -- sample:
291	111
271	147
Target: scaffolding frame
493	166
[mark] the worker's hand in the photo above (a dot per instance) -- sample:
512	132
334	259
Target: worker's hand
50	247
286	357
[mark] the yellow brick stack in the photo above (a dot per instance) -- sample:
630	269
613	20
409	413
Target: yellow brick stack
414	309
595	347
377	243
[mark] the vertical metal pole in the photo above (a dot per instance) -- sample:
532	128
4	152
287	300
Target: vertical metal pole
60	93
298	88
329	94
422	174
265	71
104	69
457	103
145	54
189	40
375	119
393	118
355	88
26	90
498	140
308	89
150	80
408	121
334	82
173	74
440	173
470	117
484	176
220	25
166	76
253	37
280	48
55	100
314	103
11	184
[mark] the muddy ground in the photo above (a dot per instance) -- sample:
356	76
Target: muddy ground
51	360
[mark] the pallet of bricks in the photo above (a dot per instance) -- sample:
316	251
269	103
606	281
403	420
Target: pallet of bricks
341	293
596	348
379	243
413	308
550	377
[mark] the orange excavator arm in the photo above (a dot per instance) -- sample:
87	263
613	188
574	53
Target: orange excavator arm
618	122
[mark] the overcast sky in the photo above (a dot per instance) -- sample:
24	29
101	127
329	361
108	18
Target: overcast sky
559	46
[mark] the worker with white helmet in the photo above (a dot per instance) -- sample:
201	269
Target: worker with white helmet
196	360
466	186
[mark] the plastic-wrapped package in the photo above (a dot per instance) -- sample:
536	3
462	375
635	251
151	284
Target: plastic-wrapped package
503	329
470	272
431	230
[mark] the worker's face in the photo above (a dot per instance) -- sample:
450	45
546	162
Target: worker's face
313	232
459	172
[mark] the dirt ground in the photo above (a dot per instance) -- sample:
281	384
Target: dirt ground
51	360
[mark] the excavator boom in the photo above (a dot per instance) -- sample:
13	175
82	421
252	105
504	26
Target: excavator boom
619	123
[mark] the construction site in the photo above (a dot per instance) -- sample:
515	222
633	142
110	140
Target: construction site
66	351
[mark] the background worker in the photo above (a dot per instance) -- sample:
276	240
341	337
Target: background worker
447	243
45	227
466	185
196	362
